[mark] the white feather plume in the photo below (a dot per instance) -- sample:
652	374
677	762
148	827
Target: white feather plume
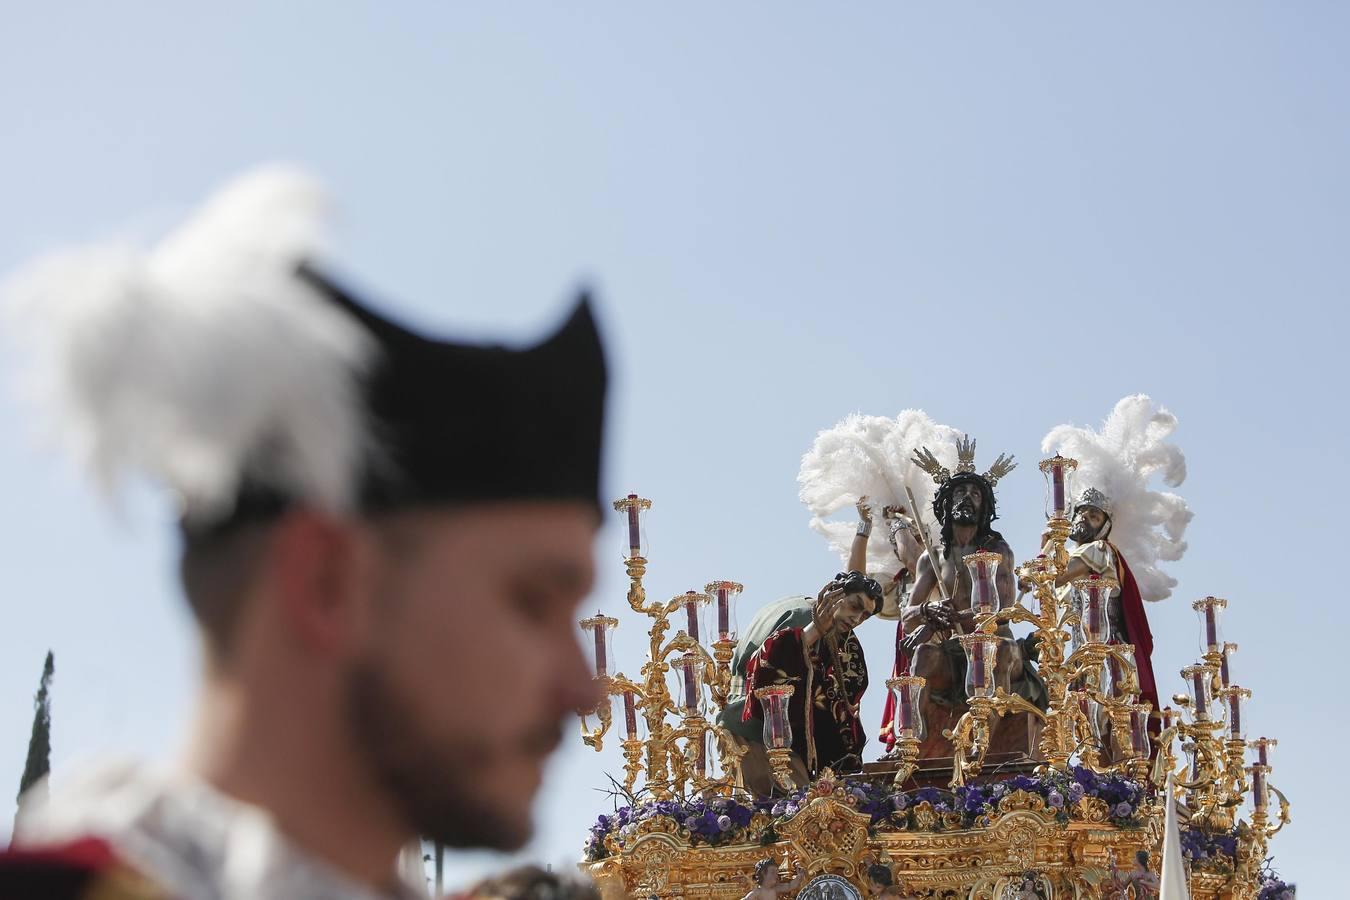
871	456
204	358
1131	448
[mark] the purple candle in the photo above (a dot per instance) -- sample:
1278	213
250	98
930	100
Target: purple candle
1259	794
634	534
904	710
977	673
691	608
1211	626
630	714
1139	730
984	599
701	758
690	685
600	668
1223	665
1057	479
723	614
1262	752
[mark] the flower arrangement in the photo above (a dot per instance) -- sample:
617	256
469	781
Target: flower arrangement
713	821
1273	887
1210	851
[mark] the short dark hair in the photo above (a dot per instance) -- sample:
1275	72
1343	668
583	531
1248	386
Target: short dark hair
763	866
215	572
881	874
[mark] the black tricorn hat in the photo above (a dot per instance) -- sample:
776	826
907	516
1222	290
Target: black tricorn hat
463	423
454	424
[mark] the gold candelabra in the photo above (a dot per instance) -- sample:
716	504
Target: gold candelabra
674	757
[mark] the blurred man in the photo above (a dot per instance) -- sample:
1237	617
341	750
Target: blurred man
385	539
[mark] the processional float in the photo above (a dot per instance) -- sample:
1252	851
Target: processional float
1071	824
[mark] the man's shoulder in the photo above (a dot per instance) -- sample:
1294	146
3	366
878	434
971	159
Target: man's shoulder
84	867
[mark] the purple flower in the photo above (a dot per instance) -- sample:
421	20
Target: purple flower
1055	799
1076	792
724	822
899	801
1123	810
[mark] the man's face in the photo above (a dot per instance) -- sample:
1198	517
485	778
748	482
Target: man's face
967	502
853	610
473	663
1087	524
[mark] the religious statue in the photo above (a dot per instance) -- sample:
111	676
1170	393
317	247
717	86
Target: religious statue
1117	516
810	645
1138	883
881	883
767	883
939	607
1094	554
867	462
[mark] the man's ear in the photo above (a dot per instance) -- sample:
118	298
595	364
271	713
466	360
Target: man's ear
319	563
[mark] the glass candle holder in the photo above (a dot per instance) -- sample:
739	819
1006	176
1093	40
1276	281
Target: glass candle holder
1210	610
1198	679
1124	673
1170	717
1262	746
1235	704
1192	761
690	669
632	508
693	603
1088	708
1225	671
1057	471
907	719
777	724
600	630
1094	598
983	570
981	655
724	594
1139	741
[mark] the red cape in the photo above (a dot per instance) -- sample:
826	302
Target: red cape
1136	629
901	667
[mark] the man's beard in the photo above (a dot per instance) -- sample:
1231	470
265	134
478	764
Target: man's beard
430	785
1082	532
965	513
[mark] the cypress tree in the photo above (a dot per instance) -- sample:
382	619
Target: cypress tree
40	743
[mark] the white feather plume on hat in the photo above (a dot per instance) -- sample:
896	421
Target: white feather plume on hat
871	456
1148	526
204	359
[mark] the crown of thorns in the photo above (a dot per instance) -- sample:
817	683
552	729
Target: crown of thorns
965	463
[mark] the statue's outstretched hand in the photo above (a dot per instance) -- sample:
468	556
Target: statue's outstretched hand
827	606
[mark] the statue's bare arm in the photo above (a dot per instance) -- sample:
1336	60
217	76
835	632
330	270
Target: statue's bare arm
912	615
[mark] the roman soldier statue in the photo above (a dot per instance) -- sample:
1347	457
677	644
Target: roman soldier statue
1120	528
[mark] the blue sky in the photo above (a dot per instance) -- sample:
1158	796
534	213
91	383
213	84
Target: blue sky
1008	216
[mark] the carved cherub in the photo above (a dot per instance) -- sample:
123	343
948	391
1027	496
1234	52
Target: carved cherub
767	884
